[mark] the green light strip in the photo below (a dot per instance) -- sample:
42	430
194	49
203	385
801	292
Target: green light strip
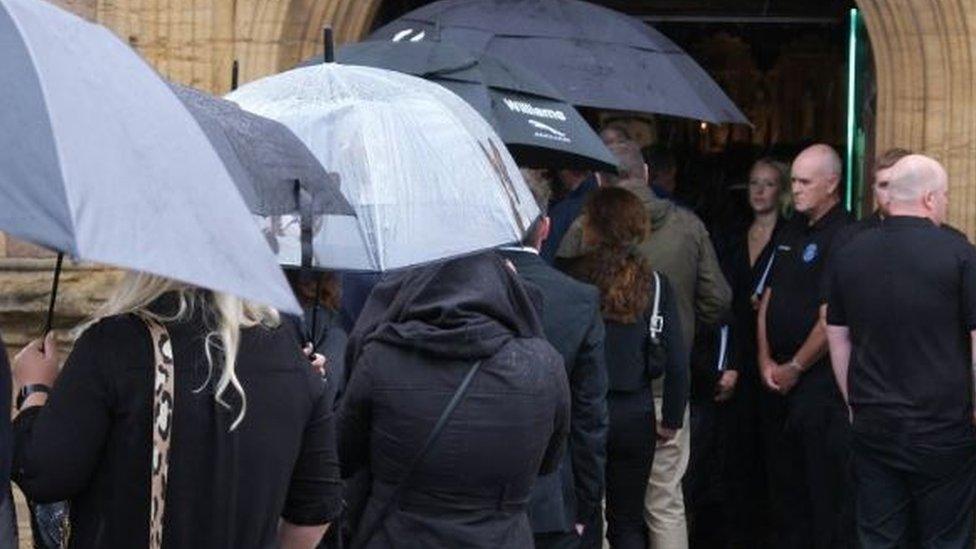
851	85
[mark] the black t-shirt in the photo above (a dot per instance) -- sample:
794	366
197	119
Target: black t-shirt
796	280
907	291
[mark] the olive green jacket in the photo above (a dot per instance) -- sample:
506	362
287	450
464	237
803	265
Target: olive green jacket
679	247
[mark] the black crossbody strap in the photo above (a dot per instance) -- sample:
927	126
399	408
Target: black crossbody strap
424	450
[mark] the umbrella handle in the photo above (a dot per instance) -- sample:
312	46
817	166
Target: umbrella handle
235	71
328	45
54	294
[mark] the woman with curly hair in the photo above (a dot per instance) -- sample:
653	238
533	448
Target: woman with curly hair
639	347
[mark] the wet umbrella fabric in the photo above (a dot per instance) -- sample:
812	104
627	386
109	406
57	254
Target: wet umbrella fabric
539	128
595	56
427	176
86	168
281	181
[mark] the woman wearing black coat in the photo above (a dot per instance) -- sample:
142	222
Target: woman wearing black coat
418	336
614	223
252	457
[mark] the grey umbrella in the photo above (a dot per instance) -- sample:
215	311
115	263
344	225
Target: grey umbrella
595	56
100	160
536	124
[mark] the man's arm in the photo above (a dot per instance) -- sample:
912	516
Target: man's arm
839	341
766	364
815	346
589	420
713	296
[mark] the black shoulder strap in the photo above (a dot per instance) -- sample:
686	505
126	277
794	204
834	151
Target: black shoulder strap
419	458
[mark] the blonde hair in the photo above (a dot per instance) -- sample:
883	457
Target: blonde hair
227	313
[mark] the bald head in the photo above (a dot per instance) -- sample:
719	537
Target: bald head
815	180
822	158
918	185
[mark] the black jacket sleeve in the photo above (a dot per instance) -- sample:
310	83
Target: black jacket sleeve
315	493
588	426
557	441
57	446
676	374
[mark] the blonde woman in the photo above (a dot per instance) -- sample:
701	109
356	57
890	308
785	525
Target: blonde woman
252	458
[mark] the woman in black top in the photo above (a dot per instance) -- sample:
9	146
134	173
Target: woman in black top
614	223
419	334
252	460
749	257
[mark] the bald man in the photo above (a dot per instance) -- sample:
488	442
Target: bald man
804	417
901	326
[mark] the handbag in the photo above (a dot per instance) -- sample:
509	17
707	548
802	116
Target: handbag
656	350
50	522
394	498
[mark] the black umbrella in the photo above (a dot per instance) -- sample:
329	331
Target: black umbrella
537	125
595	56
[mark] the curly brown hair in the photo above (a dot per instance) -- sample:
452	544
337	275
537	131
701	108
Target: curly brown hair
615	222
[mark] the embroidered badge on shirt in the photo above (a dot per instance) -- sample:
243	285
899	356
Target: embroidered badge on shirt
810	252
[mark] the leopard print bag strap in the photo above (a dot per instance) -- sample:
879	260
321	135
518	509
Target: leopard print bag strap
162	426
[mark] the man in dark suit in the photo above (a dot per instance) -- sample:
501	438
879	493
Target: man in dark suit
564	509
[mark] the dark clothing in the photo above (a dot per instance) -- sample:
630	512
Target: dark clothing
630	451
841	239
627	360
902	483
329	340
572	323
355	290
91	442
907	291
797	279
816	451
562	214
419	334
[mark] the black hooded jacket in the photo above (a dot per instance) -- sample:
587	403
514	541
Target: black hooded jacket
418	335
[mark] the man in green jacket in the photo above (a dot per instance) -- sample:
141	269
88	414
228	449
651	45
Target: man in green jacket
679	247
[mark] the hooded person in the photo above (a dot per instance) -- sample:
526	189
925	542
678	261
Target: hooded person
420	333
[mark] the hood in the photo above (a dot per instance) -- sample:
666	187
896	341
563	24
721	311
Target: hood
464	309
659	208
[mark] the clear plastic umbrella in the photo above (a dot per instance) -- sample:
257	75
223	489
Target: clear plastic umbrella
427	176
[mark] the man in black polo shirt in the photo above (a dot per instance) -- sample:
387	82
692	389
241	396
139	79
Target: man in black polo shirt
806	424
902	321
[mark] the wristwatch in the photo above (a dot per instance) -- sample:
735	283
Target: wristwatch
28	390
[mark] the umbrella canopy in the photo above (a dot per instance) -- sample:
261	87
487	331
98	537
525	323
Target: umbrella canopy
595	56
427	176
539	128
280	179
86	168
